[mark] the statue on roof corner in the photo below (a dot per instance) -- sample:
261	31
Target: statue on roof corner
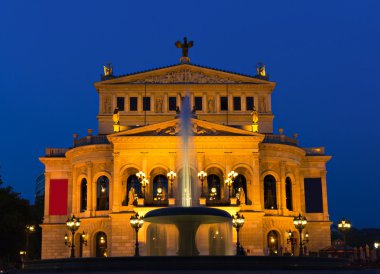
260	69
185	49
107	70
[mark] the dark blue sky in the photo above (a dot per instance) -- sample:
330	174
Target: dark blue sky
324	56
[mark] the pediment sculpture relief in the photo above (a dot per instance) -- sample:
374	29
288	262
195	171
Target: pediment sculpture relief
183	76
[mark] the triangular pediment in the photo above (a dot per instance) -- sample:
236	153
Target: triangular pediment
174	128
184	73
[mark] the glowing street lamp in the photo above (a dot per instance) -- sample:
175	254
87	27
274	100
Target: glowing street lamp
344	226
73	225
237	223
292	240
300	223
142	179
136	222
202	176
29	229
230	180
171	177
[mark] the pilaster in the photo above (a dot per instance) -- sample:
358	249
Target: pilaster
282	192
255	193
324	195
47	197
116	183
70	193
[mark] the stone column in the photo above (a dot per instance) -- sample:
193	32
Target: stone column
324	195
297	192
227	169
90	189
144	168
172	166
256	191
302	191
70	191
200	166
281	187
116	183
47	197
76	193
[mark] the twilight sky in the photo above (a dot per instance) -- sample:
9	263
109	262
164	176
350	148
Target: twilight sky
324	56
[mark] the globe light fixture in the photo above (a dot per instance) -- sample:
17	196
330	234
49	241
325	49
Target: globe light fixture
300	223
202	176
73	225
29	229
136	222
344	226
171	177
230	180
237	223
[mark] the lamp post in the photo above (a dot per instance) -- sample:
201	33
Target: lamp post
136	222
142	179
300	223
237	223
344	226
171	177
292	240
202	176
83	242
377	245
230	180
73	225
29	229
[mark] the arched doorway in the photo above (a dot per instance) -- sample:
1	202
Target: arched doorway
288	194
160	188
240	188
273	243
217	240
156	240
101	244
214	187
270	199
83	195
102	201
133	189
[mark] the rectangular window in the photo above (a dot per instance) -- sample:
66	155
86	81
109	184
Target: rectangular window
237	103
146	103
223	103
250	103
133	103
120	103
313	195
198	103
172	103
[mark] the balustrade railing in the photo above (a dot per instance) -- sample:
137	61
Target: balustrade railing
280	139
55	152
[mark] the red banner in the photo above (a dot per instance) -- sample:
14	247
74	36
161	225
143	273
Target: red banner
58	197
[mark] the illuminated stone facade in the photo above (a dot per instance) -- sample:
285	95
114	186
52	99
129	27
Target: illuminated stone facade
277	179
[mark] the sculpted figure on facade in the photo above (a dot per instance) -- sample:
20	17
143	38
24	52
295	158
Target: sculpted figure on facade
211	104
159	103
131	196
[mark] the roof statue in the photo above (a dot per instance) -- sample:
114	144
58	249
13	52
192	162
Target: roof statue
255	120
116	120
261	72
108	72
185	49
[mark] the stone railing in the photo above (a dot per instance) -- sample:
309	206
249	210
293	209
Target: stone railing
91	140
55	152
314	151
280	139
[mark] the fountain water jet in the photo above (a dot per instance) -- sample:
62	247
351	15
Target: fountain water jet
187	218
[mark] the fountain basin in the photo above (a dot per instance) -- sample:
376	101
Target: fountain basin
187	220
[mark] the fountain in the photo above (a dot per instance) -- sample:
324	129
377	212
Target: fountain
188	217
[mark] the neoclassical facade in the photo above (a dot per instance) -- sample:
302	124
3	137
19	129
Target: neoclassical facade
96	178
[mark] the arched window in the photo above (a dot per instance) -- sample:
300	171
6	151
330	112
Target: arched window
160	187
273	242
240	188
101	244
83	195
133	189
270	199
213	186
102	201
288	193
157	243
